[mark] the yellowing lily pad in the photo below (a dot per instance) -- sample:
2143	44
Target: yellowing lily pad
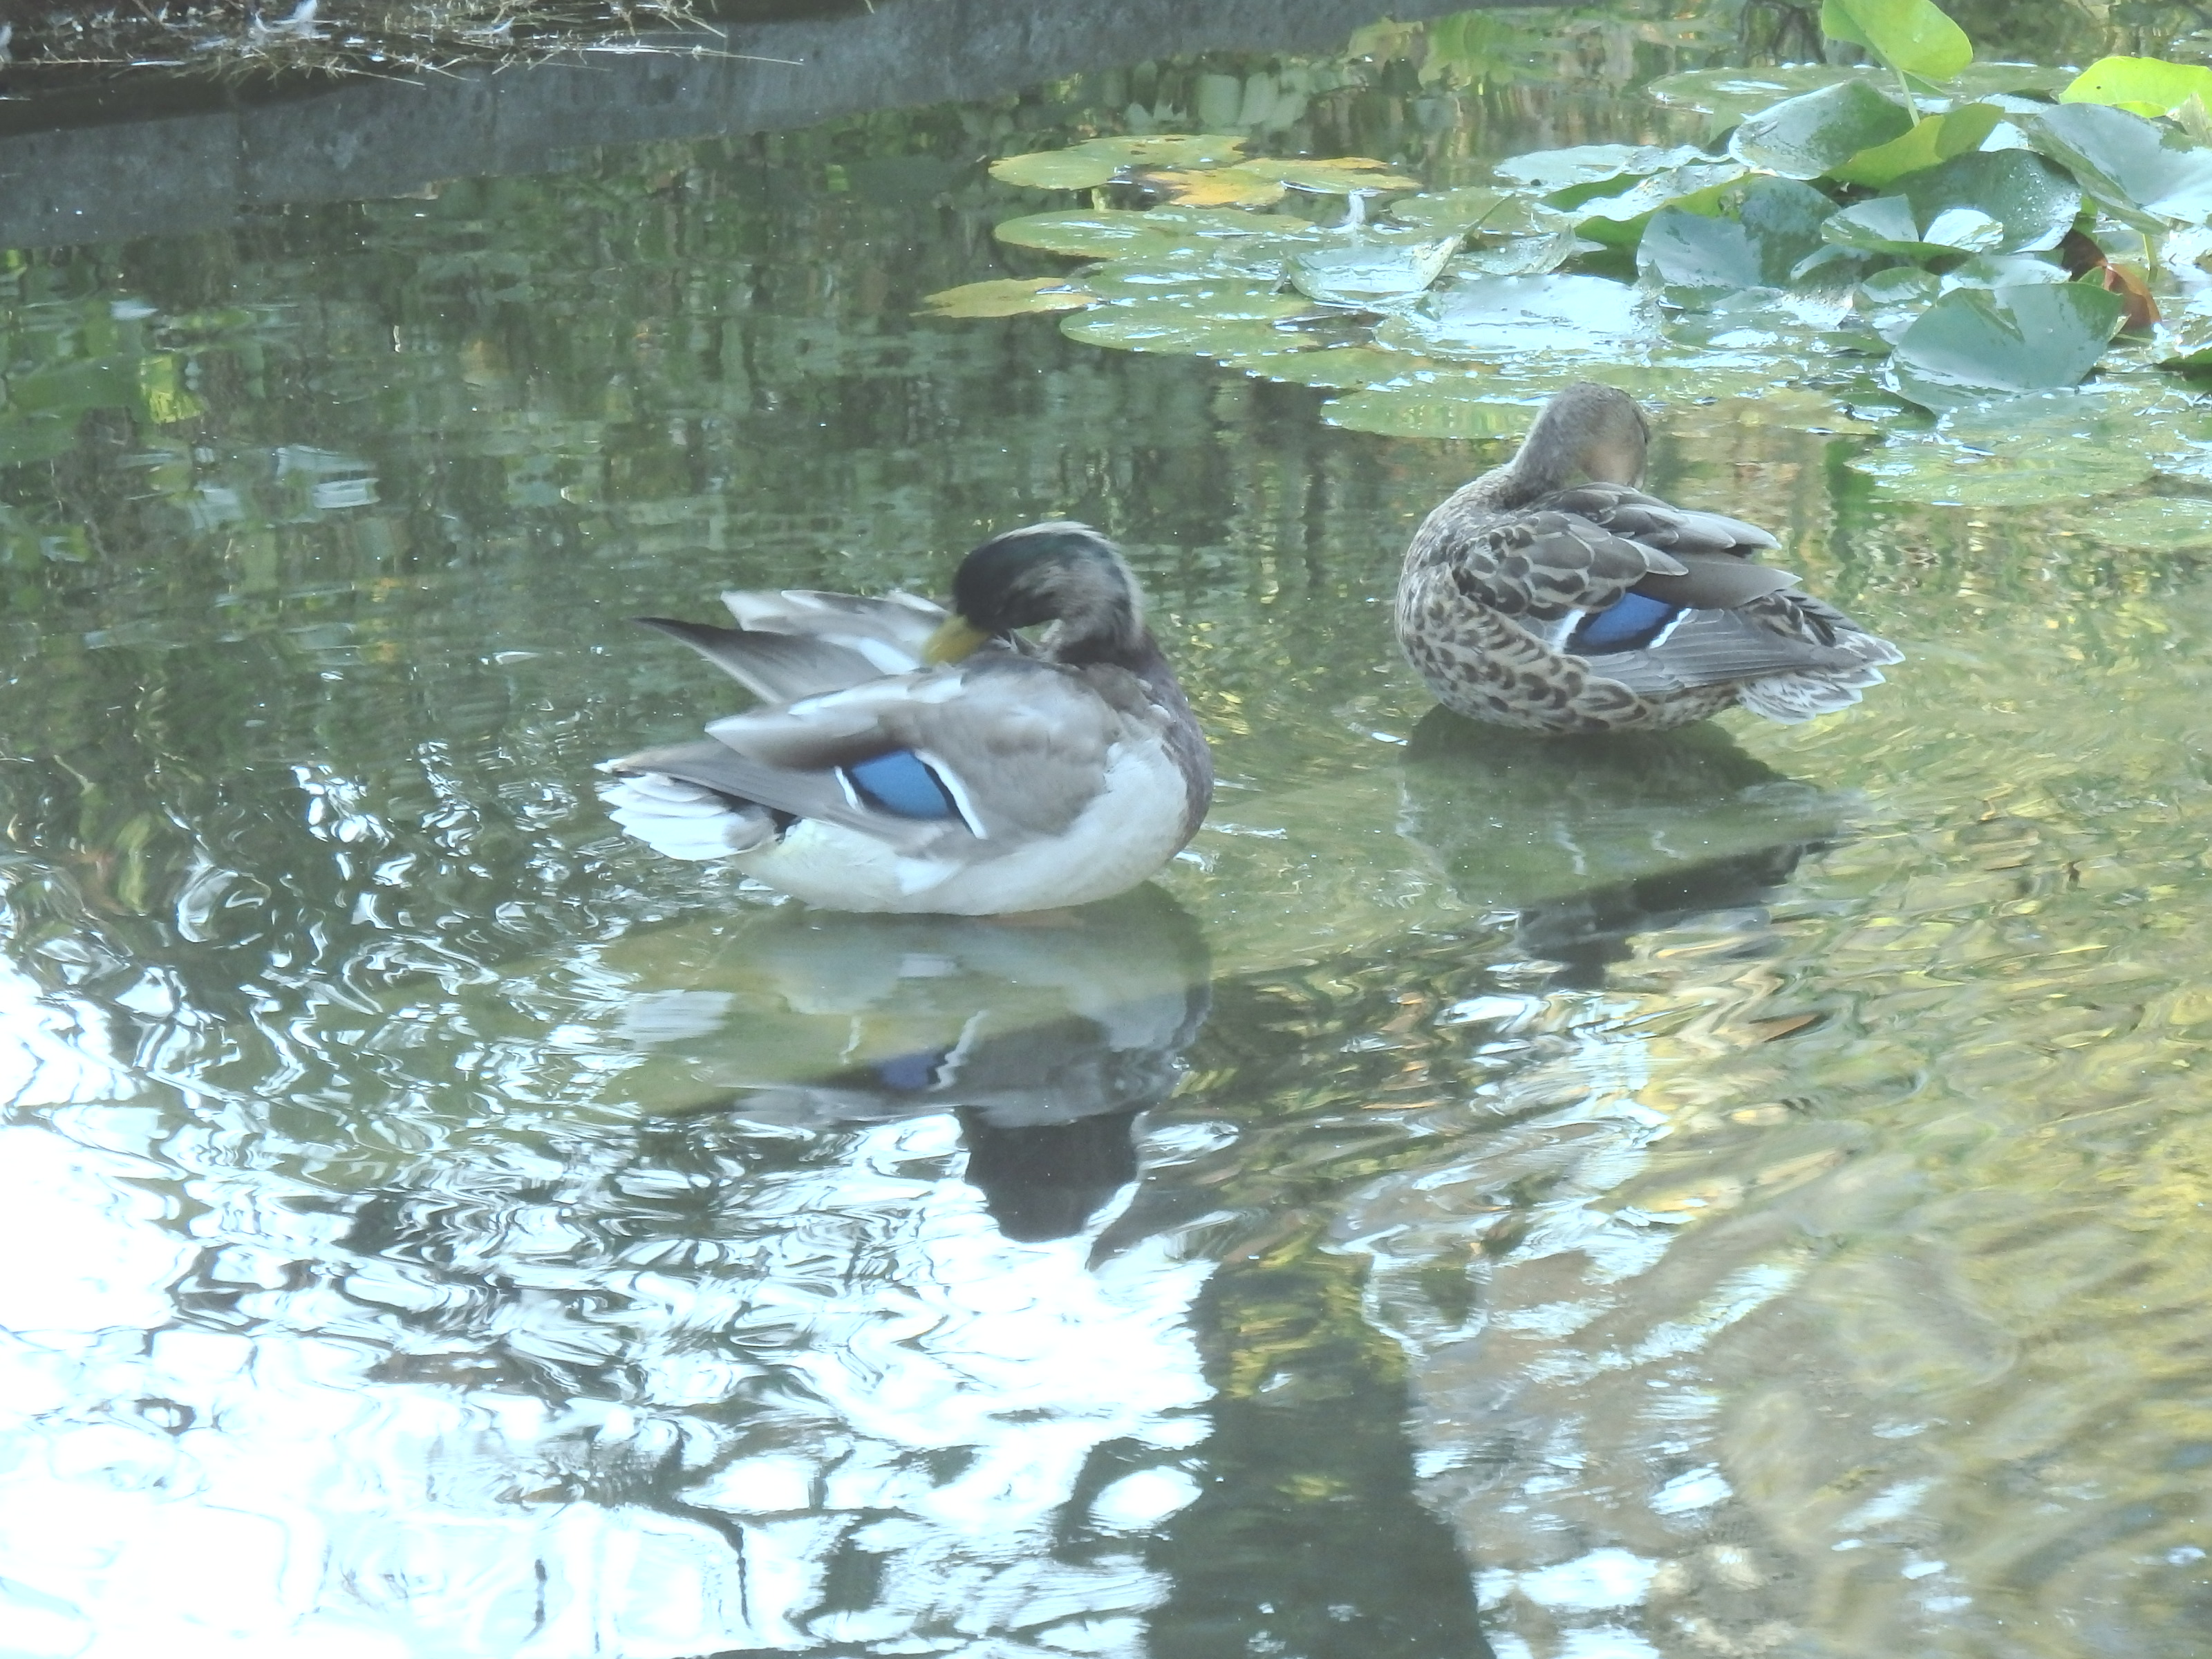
1345	175
1101	160
1236	186
1007	297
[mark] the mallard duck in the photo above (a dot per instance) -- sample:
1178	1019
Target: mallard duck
908	759
1554	595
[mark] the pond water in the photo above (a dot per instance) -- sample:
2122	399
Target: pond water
1741	1192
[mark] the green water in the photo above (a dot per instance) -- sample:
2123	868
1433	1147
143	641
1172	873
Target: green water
1743	1192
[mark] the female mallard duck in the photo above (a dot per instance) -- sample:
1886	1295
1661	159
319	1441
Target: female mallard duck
1554	595
907	759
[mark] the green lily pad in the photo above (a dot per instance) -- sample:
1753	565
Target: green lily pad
1729	94
1618	220
2003	270
1910	35
1470	207
1524	256
1775	226
1558	170
1340	368
1008	297
2035	202
1225	323
1974	344
2154	524
1095	233
2140	172
1805	136
2021	452
1369	269
1101	160
1511	316
1992	80
1887	225
1211	224
2147	85
1185	273
1937	138
1450	407
1892	300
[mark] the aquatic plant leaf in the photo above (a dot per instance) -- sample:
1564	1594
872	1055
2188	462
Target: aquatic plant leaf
1892	300
2154	524
1236	186
2138	170
1557	170
1339	367
1775	227
2149	86
1619	221
1886	225
1524	256
1230	320
1454	407
2003	270
1094	233
1100	161
1510	316
1369	269
1470	207
1729	94
1937	138
2018	451
1910	35
1210	223
1805	136
2035	202
1007	297
1343	175
1974	343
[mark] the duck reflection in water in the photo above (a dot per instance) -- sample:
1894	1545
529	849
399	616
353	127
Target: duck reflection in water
1589	844
1045	1036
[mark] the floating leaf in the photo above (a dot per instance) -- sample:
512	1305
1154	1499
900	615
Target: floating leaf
1938	138
1236	186
1729	94
2002	270
1369	269
1008	297
1805	136
1100	161
1619	221
1974	344
2149	86
1097	234
2136	169
1494	316
1892	300
1229	320
1552	170
1472	207
2022	452
1345	175
1432	408
2001	201
1214	223
1910	35
1525	255
1777	224
1336	367
2154	524
1888	225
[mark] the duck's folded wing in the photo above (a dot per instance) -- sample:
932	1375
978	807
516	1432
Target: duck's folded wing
1020	747
1676	529
1781	634
890	631
774	667
1543	563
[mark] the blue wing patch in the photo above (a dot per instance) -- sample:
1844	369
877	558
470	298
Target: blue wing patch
1632	623
901	784
910	1073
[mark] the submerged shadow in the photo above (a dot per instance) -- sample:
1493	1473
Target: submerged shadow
1588	842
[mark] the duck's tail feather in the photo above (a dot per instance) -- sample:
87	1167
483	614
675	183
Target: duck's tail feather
776	667
682	821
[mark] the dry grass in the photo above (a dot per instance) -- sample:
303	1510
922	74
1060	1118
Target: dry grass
57	45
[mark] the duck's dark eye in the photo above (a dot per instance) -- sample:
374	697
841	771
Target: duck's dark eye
903	784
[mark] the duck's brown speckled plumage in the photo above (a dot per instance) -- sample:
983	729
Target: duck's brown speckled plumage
1499	576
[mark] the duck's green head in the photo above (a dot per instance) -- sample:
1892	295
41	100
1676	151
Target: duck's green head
1588	434
1062	572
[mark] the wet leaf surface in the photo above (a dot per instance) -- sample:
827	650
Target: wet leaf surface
1805	137
1008	297
1972	342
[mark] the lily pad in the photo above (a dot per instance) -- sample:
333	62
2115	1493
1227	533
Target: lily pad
1101	160
1776	225
1339	367
2149	86
1236	186
1495	316
2154	524
1729	94
1443	407
2022	452
1892	300
2035	202
1974	343
1888	225
1095	233
1937	138
1910	35
1345	175
1805	136
1619	219
1008	297
1221	324
1470	207
2003	270
1555	170
2138	170
1368	269
1524	256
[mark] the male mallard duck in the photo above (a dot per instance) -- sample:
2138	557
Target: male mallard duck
911	760
1552	594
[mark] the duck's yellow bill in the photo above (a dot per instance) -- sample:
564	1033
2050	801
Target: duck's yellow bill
956	638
